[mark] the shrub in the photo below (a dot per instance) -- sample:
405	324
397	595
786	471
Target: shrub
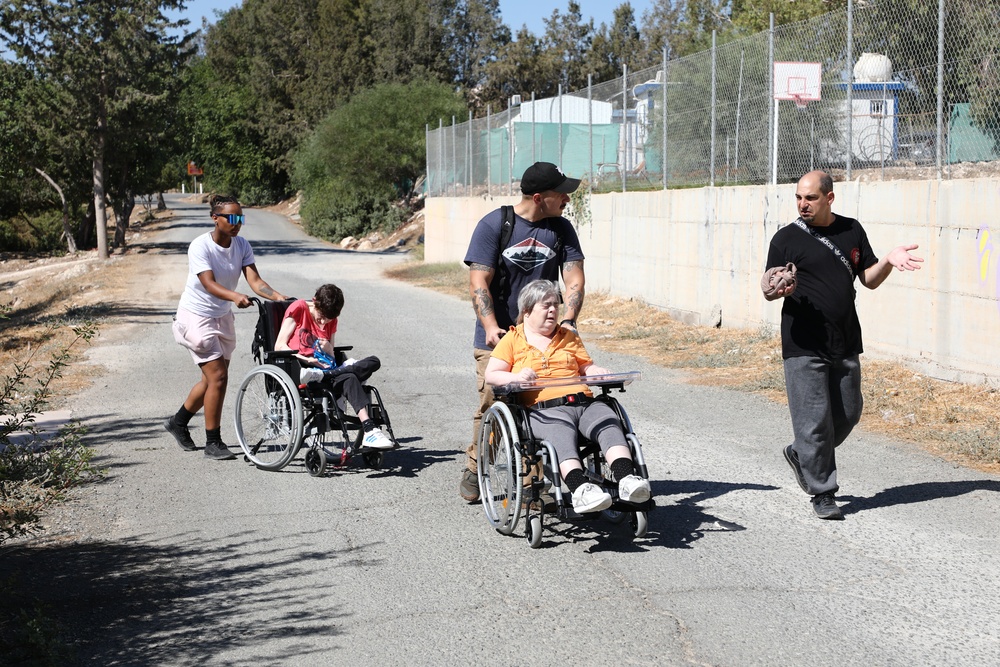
33	474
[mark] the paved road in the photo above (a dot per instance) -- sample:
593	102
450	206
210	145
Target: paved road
218	563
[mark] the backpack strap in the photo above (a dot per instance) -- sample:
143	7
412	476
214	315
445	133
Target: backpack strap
506	232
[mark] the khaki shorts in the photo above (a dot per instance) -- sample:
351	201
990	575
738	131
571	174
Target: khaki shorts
206	338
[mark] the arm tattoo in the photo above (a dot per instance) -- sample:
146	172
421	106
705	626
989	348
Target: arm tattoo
574	302
483	302
480	267
570	266
265	290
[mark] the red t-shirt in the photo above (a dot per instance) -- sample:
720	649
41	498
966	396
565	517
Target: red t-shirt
306	331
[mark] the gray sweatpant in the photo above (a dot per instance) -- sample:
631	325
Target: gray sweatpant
825	402
560	425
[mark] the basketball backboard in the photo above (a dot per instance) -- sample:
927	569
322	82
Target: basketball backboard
799	82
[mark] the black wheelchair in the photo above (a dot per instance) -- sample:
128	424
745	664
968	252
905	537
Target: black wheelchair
276	415
509	459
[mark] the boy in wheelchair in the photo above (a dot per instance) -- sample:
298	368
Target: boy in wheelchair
538	348
308	329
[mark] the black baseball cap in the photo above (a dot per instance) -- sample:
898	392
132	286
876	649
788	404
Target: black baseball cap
545	176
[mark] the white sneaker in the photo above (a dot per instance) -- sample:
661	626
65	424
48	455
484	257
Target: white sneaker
307	375
376	439
590	498
634	489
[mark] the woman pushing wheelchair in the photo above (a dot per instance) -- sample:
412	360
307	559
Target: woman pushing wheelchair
308	329
539	348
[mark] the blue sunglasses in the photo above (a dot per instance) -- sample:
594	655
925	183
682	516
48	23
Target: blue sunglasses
232	218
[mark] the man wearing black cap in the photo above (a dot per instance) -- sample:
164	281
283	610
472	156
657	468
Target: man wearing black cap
542	244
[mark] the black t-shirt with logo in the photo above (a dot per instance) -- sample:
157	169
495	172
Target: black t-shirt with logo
536	251
820	318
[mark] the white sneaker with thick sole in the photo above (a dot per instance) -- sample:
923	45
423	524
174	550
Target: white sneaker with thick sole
590	498
376	439
634	489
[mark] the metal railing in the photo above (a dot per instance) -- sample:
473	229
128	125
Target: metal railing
711	119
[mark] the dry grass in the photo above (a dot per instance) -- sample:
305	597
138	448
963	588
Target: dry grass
65	291
955	421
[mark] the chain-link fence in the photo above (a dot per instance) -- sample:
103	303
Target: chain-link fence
906	89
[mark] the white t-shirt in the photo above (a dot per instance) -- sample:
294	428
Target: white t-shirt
204	254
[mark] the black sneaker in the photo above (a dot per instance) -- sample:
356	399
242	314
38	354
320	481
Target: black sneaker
793	461
825	506
181	434
469	486
218	451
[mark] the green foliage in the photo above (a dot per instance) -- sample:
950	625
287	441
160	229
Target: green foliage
37	233
33	474
100	98
366	154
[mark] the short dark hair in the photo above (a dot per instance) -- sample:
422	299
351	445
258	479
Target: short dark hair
329	301
216	202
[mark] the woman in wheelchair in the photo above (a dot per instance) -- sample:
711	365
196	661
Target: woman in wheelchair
308	329
538	347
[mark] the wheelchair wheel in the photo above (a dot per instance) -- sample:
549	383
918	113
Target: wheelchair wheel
335	446
639	524
499	466
533	531
268	417
316	461
373	460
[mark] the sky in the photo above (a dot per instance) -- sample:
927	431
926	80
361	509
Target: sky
515	13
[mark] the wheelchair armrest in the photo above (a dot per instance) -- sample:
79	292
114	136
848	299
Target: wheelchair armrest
279	354
343	348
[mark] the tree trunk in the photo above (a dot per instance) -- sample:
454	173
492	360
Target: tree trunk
123	211
123	216
100	209
160	204
67	232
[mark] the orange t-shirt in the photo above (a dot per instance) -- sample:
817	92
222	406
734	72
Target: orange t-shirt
563	358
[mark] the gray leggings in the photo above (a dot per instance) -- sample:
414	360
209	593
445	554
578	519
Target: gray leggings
825	402
560	425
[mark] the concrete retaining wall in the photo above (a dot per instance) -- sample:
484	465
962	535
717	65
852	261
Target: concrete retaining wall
699	254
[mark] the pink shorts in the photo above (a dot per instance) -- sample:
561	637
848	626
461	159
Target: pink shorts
206	338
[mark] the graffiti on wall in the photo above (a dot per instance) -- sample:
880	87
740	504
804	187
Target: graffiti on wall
989	259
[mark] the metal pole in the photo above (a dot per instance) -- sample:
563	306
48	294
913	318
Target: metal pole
489	155
510	151
454	157
590	130
711	132
533	114
427	157
663	160
468	152
441	153
850	86
940	91
624	161
560	127
739	104
770	96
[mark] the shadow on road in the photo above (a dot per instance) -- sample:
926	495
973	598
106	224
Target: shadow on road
177	601
674	524
916	493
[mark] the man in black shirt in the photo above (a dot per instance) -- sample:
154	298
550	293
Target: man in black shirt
812	265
